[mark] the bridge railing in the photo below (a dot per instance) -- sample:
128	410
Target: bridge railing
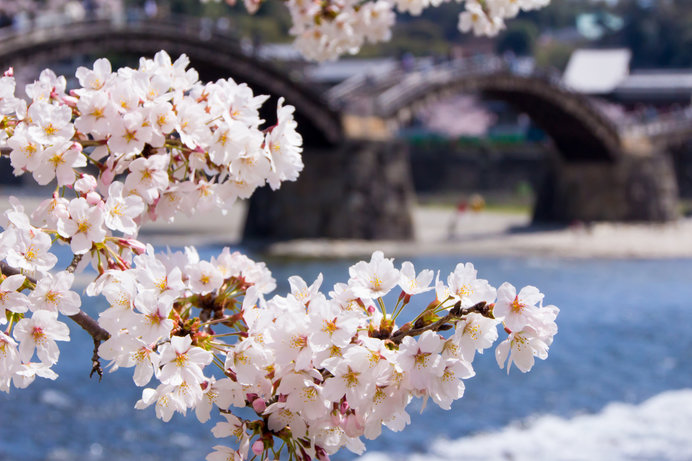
418	83
34	29
668	124
361	82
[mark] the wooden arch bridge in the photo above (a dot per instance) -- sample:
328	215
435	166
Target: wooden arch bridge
357	181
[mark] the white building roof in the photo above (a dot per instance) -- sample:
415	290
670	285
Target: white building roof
597	71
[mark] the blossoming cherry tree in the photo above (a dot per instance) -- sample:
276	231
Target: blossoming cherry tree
305	373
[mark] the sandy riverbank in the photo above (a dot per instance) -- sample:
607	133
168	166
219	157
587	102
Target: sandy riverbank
475	234
503	234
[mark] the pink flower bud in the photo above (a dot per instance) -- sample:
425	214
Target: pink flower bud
93	198
9	72
85	184
352	427
371	310
259	405
69	100
135	245
107	177
343	408
258	447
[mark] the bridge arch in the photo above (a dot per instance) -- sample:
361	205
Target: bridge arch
578	127
604	171
214	53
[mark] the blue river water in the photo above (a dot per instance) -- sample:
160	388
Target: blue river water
620	370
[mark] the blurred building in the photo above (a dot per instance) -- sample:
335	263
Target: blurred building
607	74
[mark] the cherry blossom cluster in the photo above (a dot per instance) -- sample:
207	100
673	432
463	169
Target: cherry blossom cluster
180	144
26	249
307	372
327	29
317	372
158	143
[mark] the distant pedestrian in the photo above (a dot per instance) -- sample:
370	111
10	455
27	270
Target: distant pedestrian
475	204
151	9
458	216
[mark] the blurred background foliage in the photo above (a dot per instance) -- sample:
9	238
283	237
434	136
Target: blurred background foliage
659	32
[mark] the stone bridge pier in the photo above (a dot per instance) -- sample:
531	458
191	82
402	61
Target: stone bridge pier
363	190
358	190
631	188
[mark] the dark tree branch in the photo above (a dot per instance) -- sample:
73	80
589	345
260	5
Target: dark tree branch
73	265
456	313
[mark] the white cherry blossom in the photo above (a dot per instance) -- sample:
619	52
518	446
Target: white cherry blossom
412	284
466	288
39	333
182	362
520	348
121	212
517	310
11	299
85	226
52	293
29	250
51	123
373	279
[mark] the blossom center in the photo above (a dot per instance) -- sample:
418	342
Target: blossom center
38	335
50	130
471	329
83	226
309	394
52	297
330	326
351	378
181	360
97	113
56	160
130	136
517	307
421	359
464	290
376	283
31	253
299	341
